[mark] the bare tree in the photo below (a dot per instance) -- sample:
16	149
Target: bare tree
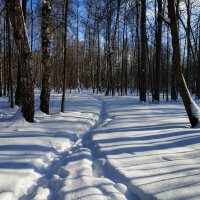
143	52
46	62
21	40
65	56
156	93
189	104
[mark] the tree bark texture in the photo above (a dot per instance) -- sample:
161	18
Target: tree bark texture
18	92
156	93
65	57
143	52
46	80
1	67
21	40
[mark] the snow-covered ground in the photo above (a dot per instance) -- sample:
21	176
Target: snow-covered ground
101	148
150	149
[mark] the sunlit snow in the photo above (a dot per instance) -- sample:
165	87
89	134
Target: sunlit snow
101	148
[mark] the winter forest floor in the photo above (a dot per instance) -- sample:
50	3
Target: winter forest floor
102	148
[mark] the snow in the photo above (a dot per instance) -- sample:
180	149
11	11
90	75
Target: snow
195	110
100	147
29	151
150	149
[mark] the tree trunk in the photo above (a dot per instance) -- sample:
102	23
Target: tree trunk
114	39
46	84
9	64
65	58
188	33
18	92
4	63
1	68
198	69
138	45
156	93
21	39
98	70
143	52
187	100
109	53
24	4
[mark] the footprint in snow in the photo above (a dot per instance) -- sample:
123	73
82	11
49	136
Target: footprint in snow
166	159
121	187
98	167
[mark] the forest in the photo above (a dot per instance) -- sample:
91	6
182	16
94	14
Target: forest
77	70
111	46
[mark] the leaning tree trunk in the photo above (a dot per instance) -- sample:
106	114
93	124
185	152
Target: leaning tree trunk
46	84
21	39
187	100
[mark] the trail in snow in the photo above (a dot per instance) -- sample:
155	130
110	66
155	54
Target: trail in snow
79	173
83	174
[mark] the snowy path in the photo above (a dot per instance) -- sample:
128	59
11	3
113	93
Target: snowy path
82	175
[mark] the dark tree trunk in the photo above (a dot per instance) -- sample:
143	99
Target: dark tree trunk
18	92
20	36
1	68
156	93
138	45
32	25
188	103
110	80
24	4
174	95
143	52
65	57
46	82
